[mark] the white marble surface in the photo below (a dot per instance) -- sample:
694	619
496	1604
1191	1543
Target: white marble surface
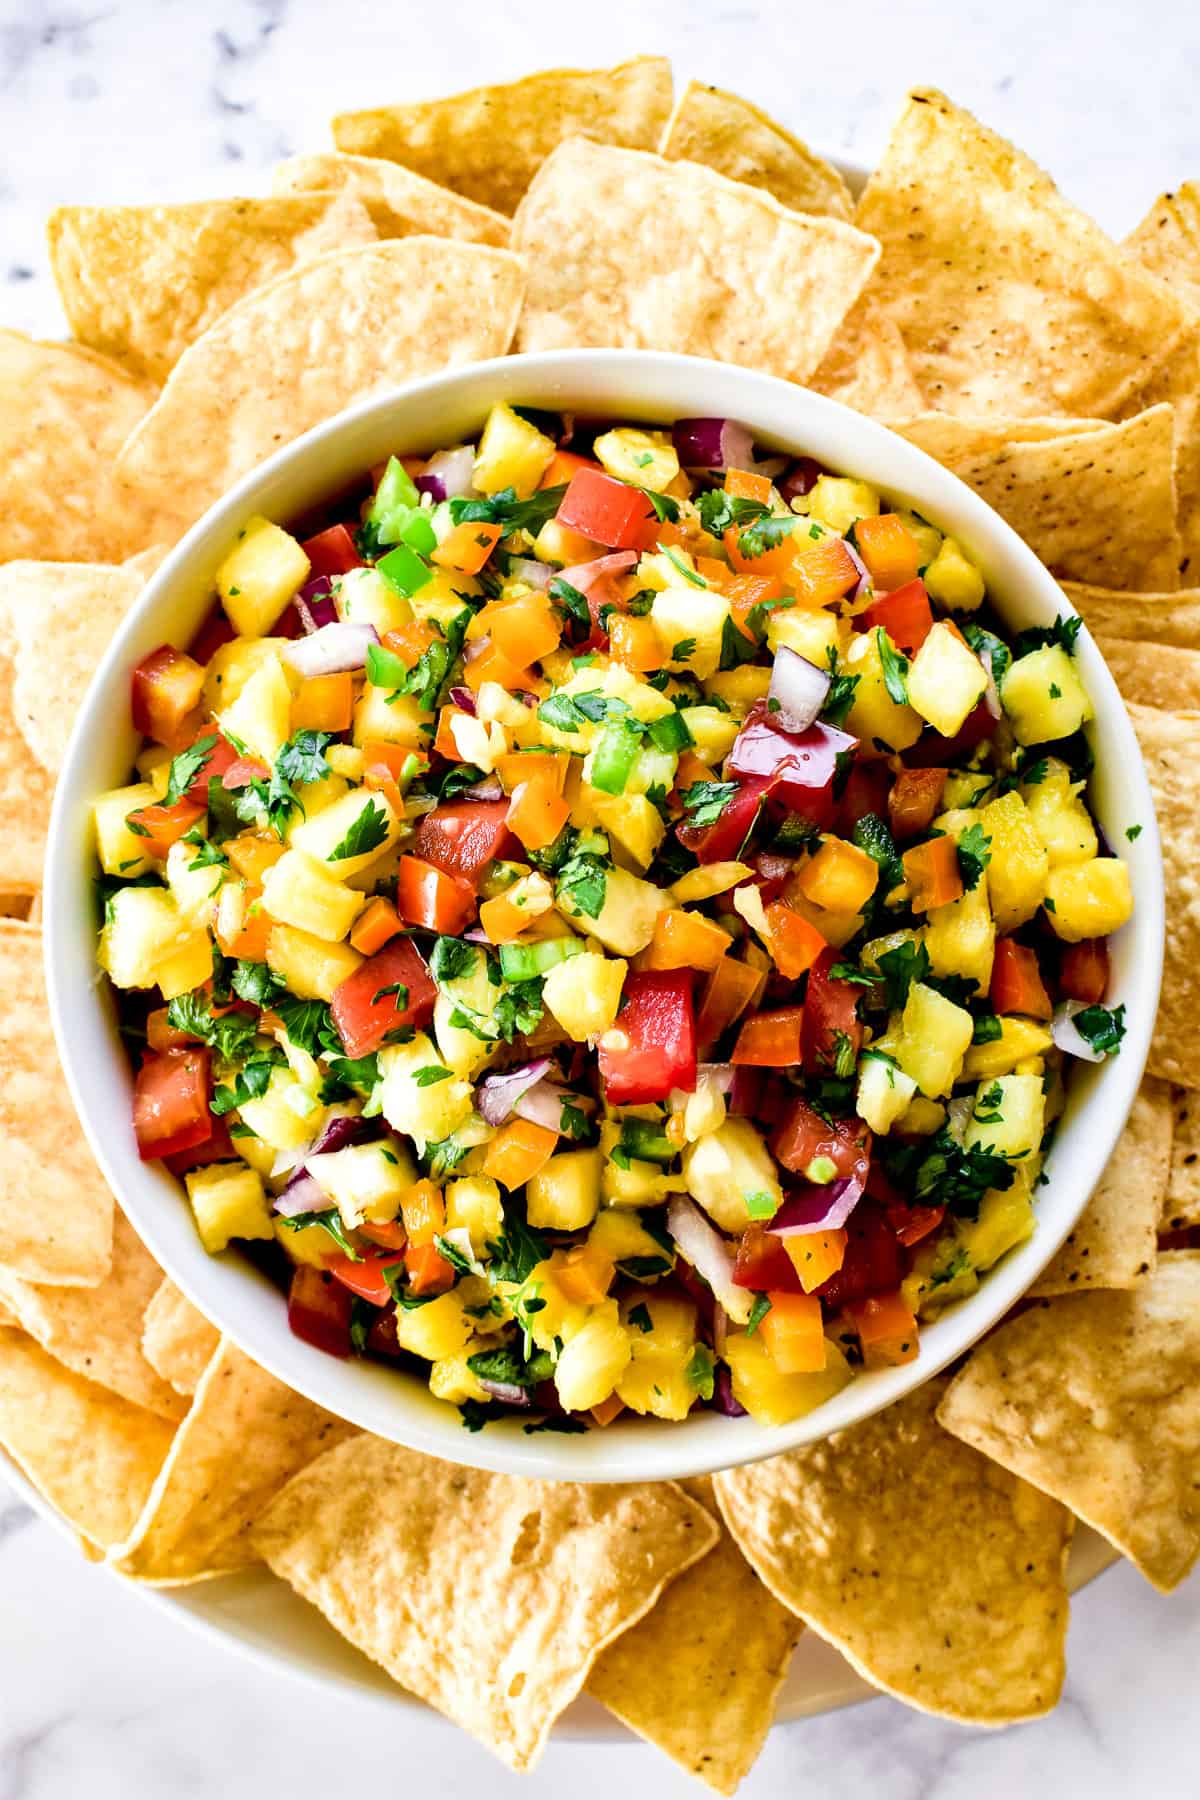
103	1695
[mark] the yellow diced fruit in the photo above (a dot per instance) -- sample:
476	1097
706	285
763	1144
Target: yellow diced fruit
424	1111
473	1205
187	967
941	1272
838	501
512	454
640	1183
310	967
633	821
960	938
365	598
122	851
366	1182
690	622
593	1360
724	1168
1088	899
387	717
261	716
556	543
1059	816
929	538
230	668
451	1379
1017	867
558	1317
346	761
645	459
775	1399
564	1194
584	992
713	732
1019	1038
143	926
438	1329
298	891
656	1380
228	1201
708	880
963	788
934	1038
811	634
360	813
923	1118
626	920
285	1115
1044	697
194	889
739	688
1006	1219
259	576
953	580
874	717
1009	1116
945	679
311	1244
621	1235
884	1091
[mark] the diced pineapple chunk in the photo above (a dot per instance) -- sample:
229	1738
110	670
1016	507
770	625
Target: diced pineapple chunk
946	679
961	937
194	889
438	1329
261	716
874	716
1044	697
812	634
186	967
953	580
365	598
300	892
634	1183
564	1194
143	926
1059	816
646	459
626	920
1006	1219
310	967
391	718
656	1380
1088	899
122	851
633	821
838	501
723	1169
228	1201
593	1360
473	1205
775	1399
1017	868
884	1091
366	1182
512	454
558	1317
311	1244
285	1115
934	1038
424	1112
230	668
1018	1039
964	787
450	1378
259	576
1009	1115
620	1235
713	732
929	538
923	1118
704	1109
358	811
739	688
690	622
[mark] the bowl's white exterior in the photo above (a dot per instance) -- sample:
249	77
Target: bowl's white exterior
445	409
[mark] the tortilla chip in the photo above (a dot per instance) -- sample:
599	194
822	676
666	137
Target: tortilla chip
728	134
244	1438
177	1340
1009	300
867	366
26	792
398	200
91	1454
1115	613
937	1575
64	414
191	263
700	1674
61	617
1181	1203
56	1212
97	1331
1171	748
1153	674
302	348
488	143
618	246
1095	502
489	1596
1094	1398
1115	1242
7	1317
1167	241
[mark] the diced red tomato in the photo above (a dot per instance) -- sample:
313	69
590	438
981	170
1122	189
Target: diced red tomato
368	1277
332	552
914	801
219	758
722	841
218	1147
1017	985
464	836
910	1224
830	1016
607	511
933	751
762	1263
803	1136
905	616
161	1035
242	771
1083	971
166	690
319	1310
215	631
865	793
801	767
366	1007
873	1263
170	1103
658	1021
430	898
160	826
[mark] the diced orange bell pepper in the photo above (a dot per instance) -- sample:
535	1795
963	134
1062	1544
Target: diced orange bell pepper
428	1270
635	643
502	920
491	664
584	1274
518	1151
794	1333
562	466
912	1223
915	800
714	572
822	570
410	642
536	813
777	560
423	1211
548	766
886	1330
771	1040
748	591
389	1234
429	897
524	630
324	703
743	485
1083	972
840	877
795	944
1017	985
607	1410
467	547
444	743
375	926
249	941
685	940
729	990
691	769
158	827
815	1255
889	549
932	873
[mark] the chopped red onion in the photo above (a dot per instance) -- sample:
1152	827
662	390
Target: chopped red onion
1067	1035
717	1075
801	478
525	697
302	1194
497	1095
708	1253
585	575
315	605
331	650
746	1092
799	689
533	573
818	1208
713	444
447	475
958	1116
464	699
491	789
506	1391
542	1105
991	694
865	584
723	1400
477	935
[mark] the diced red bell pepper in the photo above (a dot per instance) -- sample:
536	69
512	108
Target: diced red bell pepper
914	801
366	1006
873	1263
430	898
464	836
219	758
170	1103
368	1277
770	1040
242	771
166	691
830	1017
319	1310
933	751
332	552
1016	984
160	826
803	1136
905	616
801	766
910	1224
1083	971
607	511
217	1147
722	841
762	1263
658	1021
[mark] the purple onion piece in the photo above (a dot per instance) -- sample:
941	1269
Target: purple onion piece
343	1129
491	789
464	699
497	1095
723	1400
477	935
527	569
447	474
507	1391
865	584
801	478
331	650
713	444
315	605
301	1195
823	1208
585	575
542	1105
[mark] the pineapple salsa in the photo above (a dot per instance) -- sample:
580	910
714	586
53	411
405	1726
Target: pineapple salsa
601	915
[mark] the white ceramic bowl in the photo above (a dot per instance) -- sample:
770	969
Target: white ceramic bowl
446	409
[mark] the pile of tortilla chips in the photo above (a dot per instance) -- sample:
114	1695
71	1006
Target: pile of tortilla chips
965	302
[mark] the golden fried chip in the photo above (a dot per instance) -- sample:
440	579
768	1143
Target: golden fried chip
177	1340
56	1212
97	1331
618	248
1181	1204
700	1674
1094	1399
141	282
1115	1241
64	414
1168	240
1116	613
728	134
245	1436
25	795
1171	748
1153	674
488	143
301	349
488	1595
1095	502
937	1575
88	1452
867	366
399	201
1009	300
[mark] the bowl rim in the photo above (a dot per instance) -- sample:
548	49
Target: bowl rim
227	1289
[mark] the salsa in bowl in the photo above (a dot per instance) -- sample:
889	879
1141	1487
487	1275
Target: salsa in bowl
603	915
